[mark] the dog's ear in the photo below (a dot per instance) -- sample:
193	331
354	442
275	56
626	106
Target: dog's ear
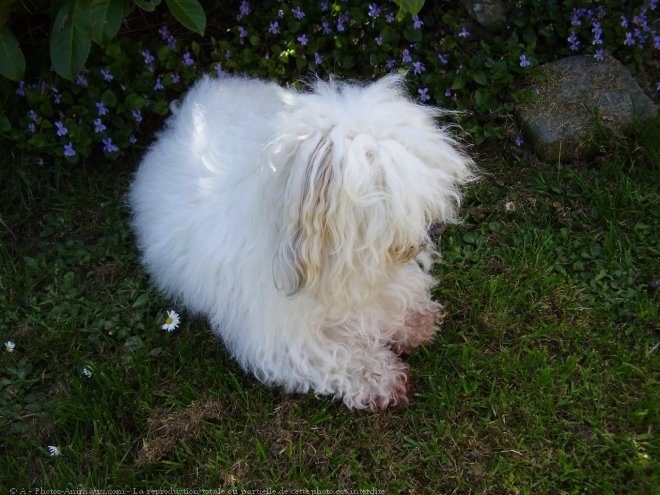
311	195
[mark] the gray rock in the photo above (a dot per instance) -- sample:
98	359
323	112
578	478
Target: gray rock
491	14
578	93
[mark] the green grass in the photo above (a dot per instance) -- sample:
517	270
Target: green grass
544	379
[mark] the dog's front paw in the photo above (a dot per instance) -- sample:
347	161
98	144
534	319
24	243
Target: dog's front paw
399	394
386	386
419	328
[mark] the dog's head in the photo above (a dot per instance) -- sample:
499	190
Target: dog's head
367	171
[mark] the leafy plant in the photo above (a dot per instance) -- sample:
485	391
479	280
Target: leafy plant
450	61
76	23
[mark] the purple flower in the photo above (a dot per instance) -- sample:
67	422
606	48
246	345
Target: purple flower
242	33
656	42
61	130
102	110
302	39
417	23
137	115
108	146
630	40
418	67
81	80
57	98
175	78
244	8
374	10
574	41
641	37
98	126
318	59
148	57
20	91
443	59
326	27
167	37
423	94
406	58
598	32
575	17
274	27
33	115
158	85
524	62
390	64
187	59
463	33
624	22
106	75
132	139
31	128
340	25
68	149
600	55
378	40
519	141
448	92
389	17
218	69
298	13
641	21
325	6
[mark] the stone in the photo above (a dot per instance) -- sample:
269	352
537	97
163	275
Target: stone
580	93
491	14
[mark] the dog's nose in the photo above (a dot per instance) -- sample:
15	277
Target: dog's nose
436	230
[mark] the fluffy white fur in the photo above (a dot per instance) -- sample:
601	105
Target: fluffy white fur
297	223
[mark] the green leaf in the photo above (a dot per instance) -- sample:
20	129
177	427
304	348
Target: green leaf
109	98
189	13
12	61
147	5
141	301
106	18
480	77
413	35
390	36
411	7
483	99
71	38
5	124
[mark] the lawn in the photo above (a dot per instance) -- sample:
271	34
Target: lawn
543	380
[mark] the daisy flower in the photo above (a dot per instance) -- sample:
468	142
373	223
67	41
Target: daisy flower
9	346
172	321
54	451
87	372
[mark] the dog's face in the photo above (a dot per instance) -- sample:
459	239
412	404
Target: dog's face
368	172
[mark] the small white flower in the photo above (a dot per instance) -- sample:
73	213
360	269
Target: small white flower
87	371
172	321
510	206
54	451
9	346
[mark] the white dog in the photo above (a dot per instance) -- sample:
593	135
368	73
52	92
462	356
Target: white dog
297	223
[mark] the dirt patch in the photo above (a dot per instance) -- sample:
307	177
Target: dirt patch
169	427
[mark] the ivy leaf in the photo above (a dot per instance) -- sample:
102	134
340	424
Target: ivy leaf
12	61
480	77
71	38
106	18
411	7
147	5
189	13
